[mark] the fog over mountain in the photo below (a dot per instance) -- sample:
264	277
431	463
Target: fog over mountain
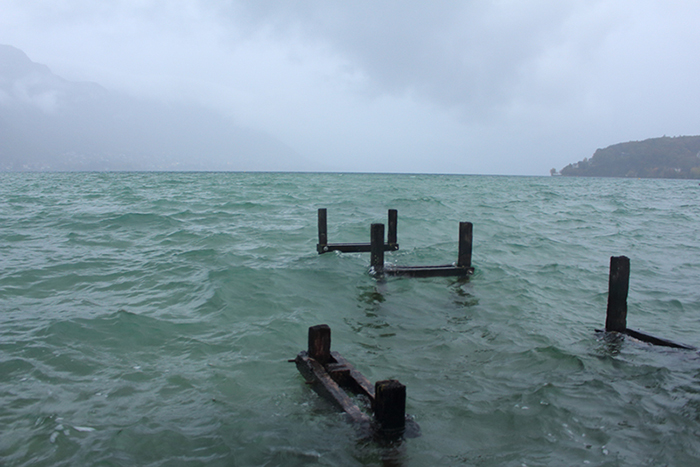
49	123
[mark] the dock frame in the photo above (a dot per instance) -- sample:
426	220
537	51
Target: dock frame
328	373
616	314
324	247
463	266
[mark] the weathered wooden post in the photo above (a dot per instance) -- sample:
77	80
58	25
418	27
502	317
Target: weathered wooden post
464	257
616	317
322	227
320	343
390	406
377	248
392	238
324	247
618	288
328	374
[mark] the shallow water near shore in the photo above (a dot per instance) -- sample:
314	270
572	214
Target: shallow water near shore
147	319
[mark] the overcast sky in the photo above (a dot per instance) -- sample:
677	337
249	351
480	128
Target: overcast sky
477	87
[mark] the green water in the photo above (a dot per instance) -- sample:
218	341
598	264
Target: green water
147	319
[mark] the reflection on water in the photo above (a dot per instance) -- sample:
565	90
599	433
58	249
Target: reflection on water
370	295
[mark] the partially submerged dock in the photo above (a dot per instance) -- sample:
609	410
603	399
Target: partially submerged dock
616	314
330	374
463	266
324	247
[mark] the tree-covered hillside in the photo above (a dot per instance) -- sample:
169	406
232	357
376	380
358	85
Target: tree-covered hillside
666	157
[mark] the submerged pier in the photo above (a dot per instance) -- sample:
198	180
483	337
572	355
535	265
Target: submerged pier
329	374
462	267
616	314
324	247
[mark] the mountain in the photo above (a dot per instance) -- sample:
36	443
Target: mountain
665	157
49	123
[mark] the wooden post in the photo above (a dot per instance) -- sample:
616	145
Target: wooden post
322	227
464	257
377	248
390	405
320	343
393	220
616	318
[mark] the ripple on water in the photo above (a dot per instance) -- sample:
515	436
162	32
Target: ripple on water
147	319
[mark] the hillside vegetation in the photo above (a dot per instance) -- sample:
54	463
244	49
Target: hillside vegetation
666	157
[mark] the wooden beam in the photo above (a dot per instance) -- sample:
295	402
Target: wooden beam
320	343
355	380
324	247
377	251
326	387
322	227
392	240
390	406
464	256
447	270
353	247
649	339
462	268
616	315
387	398
618	288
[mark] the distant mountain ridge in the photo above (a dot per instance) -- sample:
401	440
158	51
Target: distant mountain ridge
50	124
665	157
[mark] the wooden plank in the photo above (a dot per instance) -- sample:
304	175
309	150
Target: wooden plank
648	338
461	269
464	255
322	227
616	314
319	347
428	271
325	386
618	288
328	379
377	250
390	406
352	247
324	247
357	382
392	228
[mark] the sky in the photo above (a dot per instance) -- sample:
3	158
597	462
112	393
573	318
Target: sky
505	87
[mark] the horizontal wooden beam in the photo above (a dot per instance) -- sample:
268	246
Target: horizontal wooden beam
616	315
329	379
324	385
428	271
462	268
352	247
355	380
324	247
648	338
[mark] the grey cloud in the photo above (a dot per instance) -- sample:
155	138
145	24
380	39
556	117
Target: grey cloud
478	86
476	55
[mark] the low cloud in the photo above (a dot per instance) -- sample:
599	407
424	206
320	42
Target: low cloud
470	87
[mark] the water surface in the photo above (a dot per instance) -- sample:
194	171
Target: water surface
147	319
